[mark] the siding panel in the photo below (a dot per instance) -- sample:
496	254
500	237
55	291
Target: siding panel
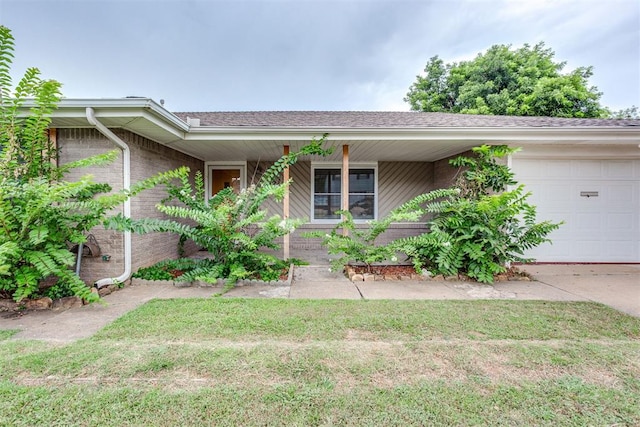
399	182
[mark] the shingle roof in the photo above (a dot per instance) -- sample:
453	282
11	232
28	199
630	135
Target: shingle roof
394	119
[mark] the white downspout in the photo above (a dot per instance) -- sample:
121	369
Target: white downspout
126	184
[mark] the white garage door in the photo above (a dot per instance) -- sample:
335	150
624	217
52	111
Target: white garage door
599	201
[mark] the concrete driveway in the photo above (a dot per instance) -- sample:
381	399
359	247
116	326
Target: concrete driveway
617	286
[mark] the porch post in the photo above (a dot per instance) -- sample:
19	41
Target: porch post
53	144
345	183
285	208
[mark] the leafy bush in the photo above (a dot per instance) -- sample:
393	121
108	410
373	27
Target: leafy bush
478	233
173	269
39	219
232	226
359	244
189	269
40	213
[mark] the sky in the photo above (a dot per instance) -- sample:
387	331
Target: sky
254	55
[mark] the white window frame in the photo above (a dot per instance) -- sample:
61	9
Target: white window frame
211	166
355	165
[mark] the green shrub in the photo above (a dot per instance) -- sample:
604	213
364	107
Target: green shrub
478	233
360	244
40	213
190	269
173	269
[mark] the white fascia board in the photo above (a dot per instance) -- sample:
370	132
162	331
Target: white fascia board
129	112
538	135
125	107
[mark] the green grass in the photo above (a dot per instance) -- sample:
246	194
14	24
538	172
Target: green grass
335	320
5	335
292	362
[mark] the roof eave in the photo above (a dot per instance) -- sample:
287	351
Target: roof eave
503	134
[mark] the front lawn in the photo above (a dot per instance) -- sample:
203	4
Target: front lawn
297	362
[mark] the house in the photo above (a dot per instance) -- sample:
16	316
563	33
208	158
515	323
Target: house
585	172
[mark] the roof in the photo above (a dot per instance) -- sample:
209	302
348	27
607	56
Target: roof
389	119
371	135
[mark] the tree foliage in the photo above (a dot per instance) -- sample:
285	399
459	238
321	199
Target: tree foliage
506	81
626	113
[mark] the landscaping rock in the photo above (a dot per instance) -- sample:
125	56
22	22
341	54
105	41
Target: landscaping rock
43	303
369	277
184	284
138	281
8	305
357	278
105	291
66	303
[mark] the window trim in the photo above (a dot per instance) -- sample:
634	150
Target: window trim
218	165
333	165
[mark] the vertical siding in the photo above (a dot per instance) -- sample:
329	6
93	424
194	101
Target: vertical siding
147	158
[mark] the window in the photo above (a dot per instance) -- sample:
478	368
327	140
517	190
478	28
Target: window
222	175
327	193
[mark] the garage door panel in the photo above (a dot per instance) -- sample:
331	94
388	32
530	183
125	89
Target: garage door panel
622	191
588	248
549	194
586	169
557	169
619	248
529	169
620	169
602	228
588	222
560	250
621	222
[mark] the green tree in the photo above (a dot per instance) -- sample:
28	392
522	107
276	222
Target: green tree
506	81
627	113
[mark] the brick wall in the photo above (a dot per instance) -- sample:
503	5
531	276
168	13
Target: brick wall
147	159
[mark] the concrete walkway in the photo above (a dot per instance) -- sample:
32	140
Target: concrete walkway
617	286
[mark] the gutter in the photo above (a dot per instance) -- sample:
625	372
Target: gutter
126	184
590	134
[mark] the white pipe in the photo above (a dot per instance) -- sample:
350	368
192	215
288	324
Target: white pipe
126	183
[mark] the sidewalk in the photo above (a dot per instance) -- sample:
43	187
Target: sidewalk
617	286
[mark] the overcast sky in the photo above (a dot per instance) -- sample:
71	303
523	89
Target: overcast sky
212	55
